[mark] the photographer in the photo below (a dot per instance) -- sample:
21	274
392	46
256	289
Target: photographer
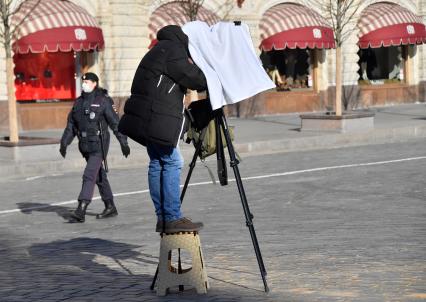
89	119
154	118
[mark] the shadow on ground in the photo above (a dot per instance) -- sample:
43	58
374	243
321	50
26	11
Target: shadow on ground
91	269
64	212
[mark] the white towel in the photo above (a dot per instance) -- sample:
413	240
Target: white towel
225	54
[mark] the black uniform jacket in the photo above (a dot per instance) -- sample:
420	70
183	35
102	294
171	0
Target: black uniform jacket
90	112
154	112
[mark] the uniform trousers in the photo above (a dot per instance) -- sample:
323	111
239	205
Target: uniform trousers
94	174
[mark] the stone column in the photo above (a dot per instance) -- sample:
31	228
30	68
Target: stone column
126	43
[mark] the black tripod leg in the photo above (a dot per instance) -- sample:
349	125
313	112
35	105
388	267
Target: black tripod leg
193	162
188	177
181	287
154	279
247	213
222	173
182	195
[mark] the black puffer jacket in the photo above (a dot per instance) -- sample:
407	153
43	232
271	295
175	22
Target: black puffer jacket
154	112
90	112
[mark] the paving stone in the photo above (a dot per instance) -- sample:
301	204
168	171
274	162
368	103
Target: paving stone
338	234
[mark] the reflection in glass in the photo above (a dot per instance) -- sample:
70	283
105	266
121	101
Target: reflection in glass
380	65
288	68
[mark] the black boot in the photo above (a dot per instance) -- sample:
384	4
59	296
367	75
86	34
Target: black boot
79	214
109	211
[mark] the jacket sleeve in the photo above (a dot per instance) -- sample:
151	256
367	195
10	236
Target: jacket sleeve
112	119
70	131
183	72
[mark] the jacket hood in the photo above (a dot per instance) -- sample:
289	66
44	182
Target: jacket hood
173	33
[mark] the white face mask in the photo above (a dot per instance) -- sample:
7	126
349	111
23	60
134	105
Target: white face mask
87	88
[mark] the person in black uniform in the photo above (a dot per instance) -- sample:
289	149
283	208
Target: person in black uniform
90	117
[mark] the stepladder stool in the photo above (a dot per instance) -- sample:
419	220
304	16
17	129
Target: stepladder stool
170	276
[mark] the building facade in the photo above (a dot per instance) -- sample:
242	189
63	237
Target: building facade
374	76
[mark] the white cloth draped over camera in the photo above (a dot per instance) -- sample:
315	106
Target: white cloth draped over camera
225	54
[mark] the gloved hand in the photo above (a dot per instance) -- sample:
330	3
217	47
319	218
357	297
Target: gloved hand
125	149
63	151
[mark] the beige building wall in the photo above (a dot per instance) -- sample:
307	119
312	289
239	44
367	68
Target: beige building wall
254	9
350	47
126	38
125	27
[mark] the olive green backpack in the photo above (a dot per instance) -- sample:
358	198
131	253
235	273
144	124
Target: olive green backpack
208	146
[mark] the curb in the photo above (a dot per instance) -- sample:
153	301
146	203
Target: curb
140	159
332	141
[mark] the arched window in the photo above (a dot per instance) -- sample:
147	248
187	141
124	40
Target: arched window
387	34
174	13
50	45
290	35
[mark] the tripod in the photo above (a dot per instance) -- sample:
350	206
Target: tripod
221	124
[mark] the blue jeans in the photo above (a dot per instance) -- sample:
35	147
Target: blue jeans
164	180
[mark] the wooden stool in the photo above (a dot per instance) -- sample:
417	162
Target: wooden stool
169	276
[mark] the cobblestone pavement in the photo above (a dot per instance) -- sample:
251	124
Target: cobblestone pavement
329	229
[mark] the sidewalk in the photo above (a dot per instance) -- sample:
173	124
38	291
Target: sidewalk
258	135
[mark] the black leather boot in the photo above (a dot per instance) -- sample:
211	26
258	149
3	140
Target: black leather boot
79	214
109	211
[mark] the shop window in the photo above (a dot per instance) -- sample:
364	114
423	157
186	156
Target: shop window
44	77
290	69
381	65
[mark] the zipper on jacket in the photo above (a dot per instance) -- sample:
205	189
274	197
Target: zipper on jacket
159	81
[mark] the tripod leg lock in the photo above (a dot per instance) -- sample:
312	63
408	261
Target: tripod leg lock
249	222
234	163
191	165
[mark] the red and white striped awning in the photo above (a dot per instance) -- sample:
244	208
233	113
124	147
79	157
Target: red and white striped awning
388	24
174	13
291	25
55	25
